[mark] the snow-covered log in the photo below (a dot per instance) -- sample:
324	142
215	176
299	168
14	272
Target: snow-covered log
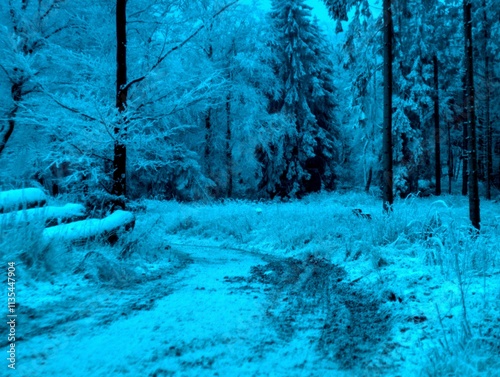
109	228
27	198
48	216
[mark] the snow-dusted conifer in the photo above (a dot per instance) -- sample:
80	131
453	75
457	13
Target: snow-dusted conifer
307	100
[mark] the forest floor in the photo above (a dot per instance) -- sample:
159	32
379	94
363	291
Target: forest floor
303	288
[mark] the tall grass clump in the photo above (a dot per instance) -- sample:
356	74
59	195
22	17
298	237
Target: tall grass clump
21	242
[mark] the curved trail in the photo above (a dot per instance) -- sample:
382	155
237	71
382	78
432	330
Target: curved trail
211	318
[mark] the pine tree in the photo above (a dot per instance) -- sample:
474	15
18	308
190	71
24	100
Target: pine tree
387	157
358	64
437	133
307	100
450	83
474	212
414	96
487	85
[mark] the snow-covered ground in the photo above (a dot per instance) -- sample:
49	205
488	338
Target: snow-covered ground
305	288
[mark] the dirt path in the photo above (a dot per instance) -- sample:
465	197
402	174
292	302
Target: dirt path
227	313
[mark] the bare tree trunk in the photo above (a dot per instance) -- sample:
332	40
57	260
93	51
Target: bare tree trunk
489	134
208	125
18	81
369	180
450	160
16	92
229	151
437	136
387	163
487	120
120	149
208	141
465	155
474	214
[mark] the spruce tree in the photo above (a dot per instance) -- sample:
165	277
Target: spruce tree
307	100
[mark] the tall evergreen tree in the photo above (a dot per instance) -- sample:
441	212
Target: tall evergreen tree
487	85
437	133
360	59
474	214
414	89
449	61
387	162
307	99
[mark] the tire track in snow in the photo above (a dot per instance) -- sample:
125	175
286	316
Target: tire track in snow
214	317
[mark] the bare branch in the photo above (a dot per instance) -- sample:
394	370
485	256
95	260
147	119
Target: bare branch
6	72
54	5
180	45
58	30
73	110
91	153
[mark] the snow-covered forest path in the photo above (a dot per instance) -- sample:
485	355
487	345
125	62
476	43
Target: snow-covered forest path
222	313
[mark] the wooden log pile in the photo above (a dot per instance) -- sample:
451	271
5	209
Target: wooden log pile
66	223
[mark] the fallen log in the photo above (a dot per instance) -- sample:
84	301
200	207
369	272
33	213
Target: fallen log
48	216
14	200
110	229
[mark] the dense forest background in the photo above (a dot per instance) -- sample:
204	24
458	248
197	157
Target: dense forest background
218	99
